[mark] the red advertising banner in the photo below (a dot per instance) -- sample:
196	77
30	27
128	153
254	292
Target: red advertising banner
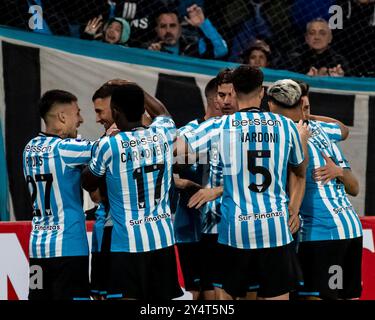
14	253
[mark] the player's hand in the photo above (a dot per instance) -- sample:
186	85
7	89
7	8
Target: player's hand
201	197
294	220
112	131
328	172
195	16
303	131
156	46
93	27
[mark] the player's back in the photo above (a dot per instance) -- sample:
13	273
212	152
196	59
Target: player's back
138	168
52	168
256	148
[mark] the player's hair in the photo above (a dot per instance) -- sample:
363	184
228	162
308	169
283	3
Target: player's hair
53	97
224	76
211	87
104	91
129	100
321	20
305	87
247	79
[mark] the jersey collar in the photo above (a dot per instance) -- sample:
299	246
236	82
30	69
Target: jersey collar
44	134
250	109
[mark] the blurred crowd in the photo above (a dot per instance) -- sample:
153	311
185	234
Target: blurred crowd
315	37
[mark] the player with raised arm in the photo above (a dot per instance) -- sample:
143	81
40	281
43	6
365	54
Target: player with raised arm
103	225
331	232
338	166
137	163
255	148
52	163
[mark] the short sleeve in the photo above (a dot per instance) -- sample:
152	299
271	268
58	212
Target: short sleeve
75	152
332	130
167	125
200	139
296	156
192	125
101	158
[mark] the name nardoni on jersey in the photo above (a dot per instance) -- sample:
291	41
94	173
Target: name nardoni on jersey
342	209
149	219
255	122
258	216
142	141
39	227
39	149
259	137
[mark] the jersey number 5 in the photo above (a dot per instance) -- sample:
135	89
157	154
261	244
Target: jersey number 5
47	178
254	169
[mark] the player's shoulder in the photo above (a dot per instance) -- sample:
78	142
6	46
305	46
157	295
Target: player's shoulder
162	119
279	120
41	144
218	121
74	144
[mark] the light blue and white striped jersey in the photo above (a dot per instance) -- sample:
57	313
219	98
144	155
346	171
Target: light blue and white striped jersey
339	157
212	174
187	221
138	169
98	229
52	168
211	214
255	149
326	212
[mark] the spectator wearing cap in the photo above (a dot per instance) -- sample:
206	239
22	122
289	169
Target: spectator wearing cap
257	55
319	59
115	31
209	44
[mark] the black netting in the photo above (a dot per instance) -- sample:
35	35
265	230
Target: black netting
280	23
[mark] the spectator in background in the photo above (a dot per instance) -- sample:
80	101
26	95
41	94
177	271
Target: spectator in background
257	55
116	30
139	13
209	44
356	38
256	26
319	59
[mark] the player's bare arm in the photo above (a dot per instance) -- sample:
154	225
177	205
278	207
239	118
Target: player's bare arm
332	171
153	106
205	195
89	181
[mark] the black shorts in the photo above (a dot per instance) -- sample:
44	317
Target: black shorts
270	271
211	262
63	278
145	275
331	269
99	273
189	255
